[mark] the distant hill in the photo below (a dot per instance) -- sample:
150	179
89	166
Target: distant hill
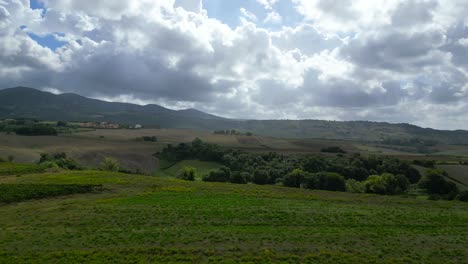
31	103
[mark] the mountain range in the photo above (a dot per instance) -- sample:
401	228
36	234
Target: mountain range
32	103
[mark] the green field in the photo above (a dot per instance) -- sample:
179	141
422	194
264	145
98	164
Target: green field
145	219
8	168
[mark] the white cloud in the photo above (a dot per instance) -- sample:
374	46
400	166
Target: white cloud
273	18
378	60
248	15
267	4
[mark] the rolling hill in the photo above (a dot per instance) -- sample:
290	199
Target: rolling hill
31	103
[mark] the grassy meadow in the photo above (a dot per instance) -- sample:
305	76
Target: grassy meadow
147	219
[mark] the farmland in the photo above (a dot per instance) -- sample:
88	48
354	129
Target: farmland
157	219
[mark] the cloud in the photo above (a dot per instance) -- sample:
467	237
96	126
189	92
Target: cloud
345	60
267	4
273	18
248	15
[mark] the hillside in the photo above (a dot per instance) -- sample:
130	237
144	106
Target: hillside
61	217
27	102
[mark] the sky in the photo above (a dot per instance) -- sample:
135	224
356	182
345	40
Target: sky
399	61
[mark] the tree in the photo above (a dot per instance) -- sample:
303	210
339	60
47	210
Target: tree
188	174
60	159
354	186
261	176
221	175
386	184
434	182
110	164
240	177
295	178
324	181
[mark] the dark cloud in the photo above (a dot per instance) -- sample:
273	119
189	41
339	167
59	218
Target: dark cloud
378	60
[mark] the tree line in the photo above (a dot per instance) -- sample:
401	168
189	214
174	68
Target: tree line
353	172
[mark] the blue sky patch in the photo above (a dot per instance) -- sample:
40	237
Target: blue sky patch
49	41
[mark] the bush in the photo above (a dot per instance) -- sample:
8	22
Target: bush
386	184
295	178
11	158
221	175
188	174
434	182
60	159
324	181
110	164
355	186
240	177
36	130
261	177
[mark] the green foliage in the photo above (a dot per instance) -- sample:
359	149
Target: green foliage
36	130
325	181
333	150
60	159
194	150
110	164
11	158
261	176
240	177
188	174
221	175
354	186
10	193
386	184
295	178
292	171
435	184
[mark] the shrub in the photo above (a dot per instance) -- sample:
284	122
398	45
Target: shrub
221	175
110	164
324	181
240	177
386	184
434	182
261	177
11	158
295	178
355	186
36	130
60	159
187	173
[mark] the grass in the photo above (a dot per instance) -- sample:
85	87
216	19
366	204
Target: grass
203	168
143	219
10	193
9	168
